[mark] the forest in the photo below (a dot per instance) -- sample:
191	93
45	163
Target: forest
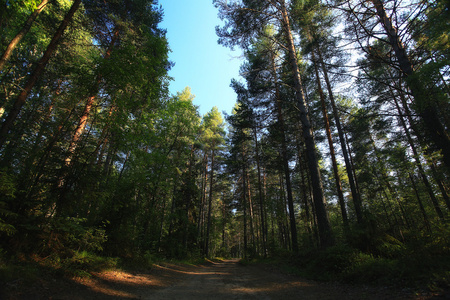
336	156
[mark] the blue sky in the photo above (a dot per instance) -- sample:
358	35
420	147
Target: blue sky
200	63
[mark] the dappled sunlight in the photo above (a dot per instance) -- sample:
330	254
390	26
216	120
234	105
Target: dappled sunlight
107	290
122	284
272	287
127	278
191	272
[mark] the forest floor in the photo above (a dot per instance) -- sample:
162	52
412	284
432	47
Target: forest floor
213	280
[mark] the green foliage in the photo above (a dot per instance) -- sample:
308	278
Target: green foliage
327	264
394	263
366	268
7	194
70	235
138	261
81	263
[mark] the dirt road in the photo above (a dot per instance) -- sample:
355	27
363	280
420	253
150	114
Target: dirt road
214	280
229	280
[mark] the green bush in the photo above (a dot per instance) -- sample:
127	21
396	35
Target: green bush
84	262
388	246
328	264
7	193
366	268
68	235
143	261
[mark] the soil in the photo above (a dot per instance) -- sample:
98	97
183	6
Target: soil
214	280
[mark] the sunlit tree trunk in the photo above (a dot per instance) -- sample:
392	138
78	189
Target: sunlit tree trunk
19	36
89	104
36	74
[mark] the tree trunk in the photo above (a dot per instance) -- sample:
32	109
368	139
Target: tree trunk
287	173
408	115
325	232
211	181
419	201
418	163
35	75
201	212
19	36
352	180
332	153
250	210
261	196
304	187
424	105
244	205
89	104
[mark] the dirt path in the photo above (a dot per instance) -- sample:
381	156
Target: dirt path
229	280
221	280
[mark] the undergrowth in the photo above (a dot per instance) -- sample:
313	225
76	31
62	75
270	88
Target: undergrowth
421	263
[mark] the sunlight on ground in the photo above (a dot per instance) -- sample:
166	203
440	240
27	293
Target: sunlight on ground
113	283
190	272
271	288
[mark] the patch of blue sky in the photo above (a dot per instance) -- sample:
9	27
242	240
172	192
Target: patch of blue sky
200	62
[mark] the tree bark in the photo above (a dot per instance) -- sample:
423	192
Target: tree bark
35	75
426	108
211	181
287	173
89	104
348	166
261	196
418	163
244	205
332	153
19	36
325	232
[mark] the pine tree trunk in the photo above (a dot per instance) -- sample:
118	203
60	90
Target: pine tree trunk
211	181
287	173
304	188
419	201
424	105
325	232
201	219
332	153
418	163
250	210
19	36
261	196
440	183
89	104
408	115
244	205
352	180
36	74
